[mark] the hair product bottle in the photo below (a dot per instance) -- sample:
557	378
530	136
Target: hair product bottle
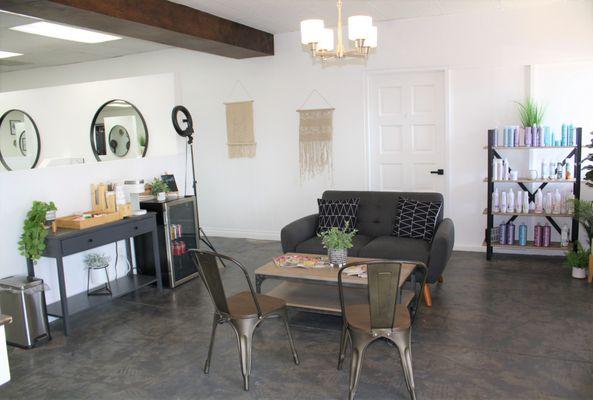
503	202
495	204
564	236
547	234
544	170
519	201
539	201
556	202
526	203
528	136
502	229
569	170
511	201
548	203
523	234
537	235
552	170
510	233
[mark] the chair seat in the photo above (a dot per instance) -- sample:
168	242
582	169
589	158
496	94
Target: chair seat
359	316
241	305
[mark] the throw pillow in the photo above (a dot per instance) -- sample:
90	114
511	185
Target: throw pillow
416	219
335	213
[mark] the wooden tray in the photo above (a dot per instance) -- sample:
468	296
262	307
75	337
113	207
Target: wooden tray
70	221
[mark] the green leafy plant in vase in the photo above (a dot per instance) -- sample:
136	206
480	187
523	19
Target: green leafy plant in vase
531	113
32	241
159	189
578	261
337	242
583	211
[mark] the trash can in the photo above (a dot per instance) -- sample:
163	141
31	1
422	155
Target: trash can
22	298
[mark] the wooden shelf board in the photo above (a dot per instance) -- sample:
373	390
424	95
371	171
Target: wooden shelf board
525	180
119	287
530	147
323	299
553	246
531	214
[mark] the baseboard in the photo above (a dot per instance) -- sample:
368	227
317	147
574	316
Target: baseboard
241	233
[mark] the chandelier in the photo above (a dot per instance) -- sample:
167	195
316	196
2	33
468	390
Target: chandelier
320	39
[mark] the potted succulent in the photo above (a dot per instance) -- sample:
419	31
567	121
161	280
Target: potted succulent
35	230
578	262
160	189
337	242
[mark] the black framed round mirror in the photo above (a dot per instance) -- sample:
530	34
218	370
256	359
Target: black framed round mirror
20	144
118	131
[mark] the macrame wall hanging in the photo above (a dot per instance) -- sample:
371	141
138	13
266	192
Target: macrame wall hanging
315	139
239	126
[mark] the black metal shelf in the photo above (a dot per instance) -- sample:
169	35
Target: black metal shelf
575	153
119	287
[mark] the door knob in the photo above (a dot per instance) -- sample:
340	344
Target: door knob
439	171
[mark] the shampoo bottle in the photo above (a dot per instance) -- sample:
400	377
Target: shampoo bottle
503	202
511	201
495	205
539	201
564	236
556	202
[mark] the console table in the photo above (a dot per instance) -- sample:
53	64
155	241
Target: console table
66	242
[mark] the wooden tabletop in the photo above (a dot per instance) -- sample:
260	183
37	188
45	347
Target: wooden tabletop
5	319
327	275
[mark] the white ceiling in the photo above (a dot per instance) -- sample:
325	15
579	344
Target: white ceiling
277	16
39	51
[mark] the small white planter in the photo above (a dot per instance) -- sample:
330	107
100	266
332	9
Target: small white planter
162	196
579	273
337	257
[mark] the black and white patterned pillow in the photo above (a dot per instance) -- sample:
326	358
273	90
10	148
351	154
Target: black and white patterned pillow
416	219
335	213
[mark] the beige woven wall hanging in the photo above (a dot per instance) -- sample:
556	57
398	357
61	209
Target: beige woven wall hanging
239	126
315	140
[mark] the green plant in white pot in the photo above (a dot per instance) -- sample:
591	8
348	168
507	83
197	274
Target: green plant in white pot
578	261
337	242
160	189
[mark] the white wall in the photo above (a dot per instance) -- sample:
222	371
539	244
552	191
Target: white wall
485	55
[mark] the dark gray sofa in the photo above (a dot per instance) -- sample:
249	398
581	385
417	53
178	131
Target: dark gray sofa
376	215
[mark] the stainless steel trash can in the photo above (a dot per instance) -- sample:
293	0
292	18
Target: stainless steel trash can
22	297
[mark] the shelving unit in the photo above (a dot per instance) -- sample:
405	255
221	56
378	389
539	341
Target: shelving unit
493	153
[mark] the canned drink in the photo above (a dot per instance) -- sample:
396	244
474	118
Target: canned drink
511	233
179	232
547	234
182	247
537	235
503	233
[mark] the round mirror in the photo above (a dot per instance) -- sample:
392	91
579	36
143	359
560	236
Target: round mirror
118	131
19	141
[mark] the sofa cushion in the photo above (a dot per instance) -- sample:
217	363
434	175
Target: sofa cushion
337	213
416	219
397	248
376	210
314	245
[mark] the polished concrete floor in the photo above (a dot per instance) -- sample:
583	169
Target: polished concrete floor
513	328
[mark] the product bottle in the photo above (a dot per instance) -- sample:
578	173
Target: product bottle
564	135
503	202
564	236
502	230
526	203
523	234
528	136
547	234
570	203
568	173
511	201
510	233
547	136
516	136
552	170
544	171
537	235
548	203
556	202
505	169
495	204
519	201
539	201
495	170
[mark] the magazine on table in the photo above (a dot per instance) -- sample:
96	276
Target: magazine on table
301	261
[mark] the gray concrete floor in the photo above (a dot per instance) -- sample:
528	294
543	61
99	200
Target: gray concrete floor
513	328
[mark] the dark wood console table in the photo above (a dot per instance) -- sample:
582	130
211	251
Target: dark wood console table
68	241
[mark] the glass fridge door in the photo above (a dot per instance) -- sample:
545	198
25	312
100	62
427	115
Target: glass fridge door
183	236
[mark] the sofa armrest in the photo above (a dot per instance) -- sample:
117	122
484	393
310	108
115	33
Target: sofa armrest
441	249
298	231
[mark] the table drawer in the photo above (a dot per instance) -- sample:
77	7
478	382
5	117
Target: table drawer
140	226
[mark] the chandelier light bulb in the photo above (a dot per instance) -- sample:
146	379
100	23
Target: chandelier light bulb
359	27
371	41
311	31
327	40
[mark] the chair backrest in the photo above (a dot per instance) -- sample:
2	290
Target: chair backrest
207	266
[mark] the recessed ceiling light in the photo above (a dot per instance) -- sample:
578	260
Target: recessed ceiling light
8	54
64	32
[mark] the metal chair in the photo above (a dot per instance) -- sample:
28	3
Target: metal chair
243	311
381	318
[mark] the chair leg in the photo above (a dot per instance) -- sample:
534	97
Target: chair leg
403	341
295	356
244	330
359	343
212	336
343	339
427	296
88	281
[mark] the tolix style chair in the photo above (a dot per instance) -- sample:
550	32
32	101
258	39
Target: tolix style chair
381	318
243	311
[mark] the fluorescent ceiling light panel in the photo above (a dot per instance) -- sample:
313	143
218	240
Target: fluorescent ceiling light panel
64	32
8	54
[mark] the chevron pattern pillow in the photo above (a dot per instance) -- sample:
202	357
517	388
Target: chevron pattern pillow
416	219
335	213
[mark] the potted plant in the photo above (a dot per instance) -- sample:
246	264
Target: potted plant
337	242
160	189
530	113
578	262
32	241
583	211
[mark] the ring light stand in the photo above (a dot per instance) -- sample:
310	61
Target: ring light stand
188	133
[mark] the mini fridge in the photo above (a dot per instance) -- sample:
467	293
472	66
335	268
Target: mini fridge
177	224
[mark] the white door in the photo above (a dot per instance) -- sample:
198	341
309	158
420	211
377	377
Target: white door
407	131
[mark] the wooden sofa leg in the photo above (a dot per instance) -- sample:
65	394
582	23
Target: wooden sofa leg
427	297
440	279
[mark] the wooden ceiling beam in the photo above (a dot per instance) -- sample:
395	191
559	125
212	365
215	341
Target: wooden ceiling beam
157	21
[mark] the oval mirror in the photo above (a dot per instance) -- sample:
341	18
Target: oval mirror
118	131
20	144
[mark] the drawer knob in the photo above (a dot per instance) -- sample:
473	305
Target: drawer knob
135	228
90	240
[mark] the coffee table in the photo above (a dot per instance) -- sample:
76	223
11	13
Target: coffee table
316	290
